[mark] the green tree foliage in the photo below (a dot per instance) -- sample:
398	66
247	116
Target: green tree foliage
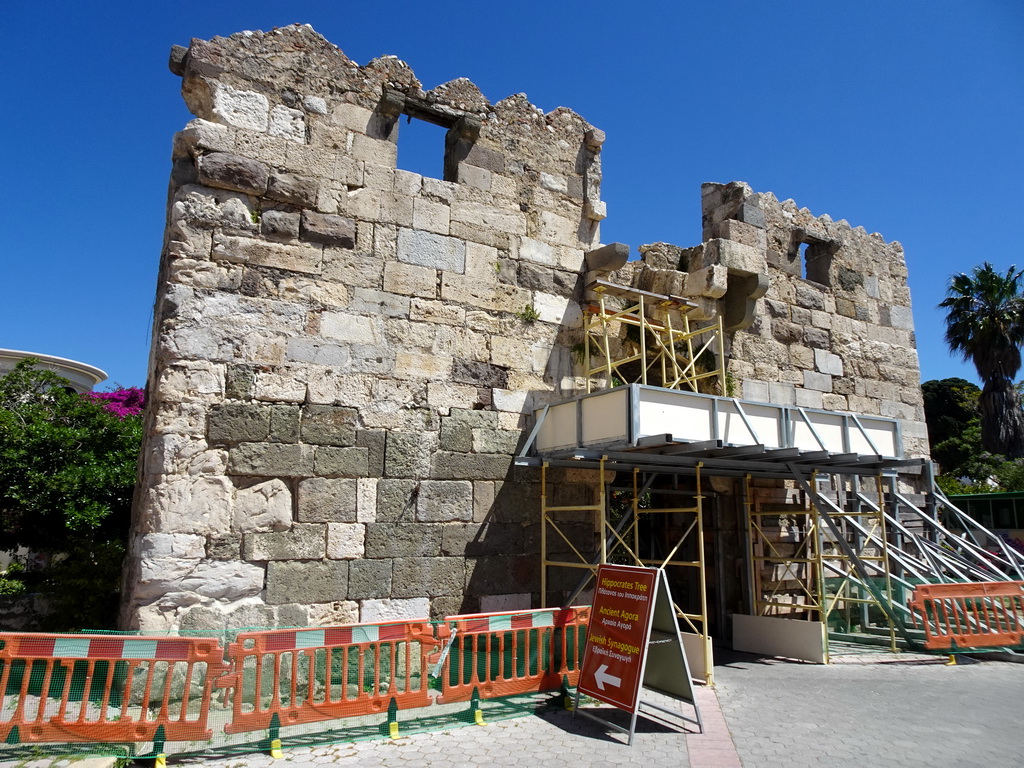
954	430
985	324
67	474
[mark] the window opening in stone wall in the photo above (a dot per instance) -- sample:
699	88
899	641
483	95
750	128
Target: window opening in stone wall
816	261
421	147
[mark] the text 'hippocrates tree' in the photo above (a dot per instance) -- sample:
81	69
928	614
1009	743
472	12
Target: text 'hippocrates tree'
617	641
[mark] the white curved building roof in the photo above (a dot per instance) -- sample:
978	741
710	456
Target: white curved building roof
82	377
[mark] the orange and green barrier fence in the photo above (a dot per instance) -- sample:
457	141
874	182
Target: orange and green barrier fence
144	696
970	616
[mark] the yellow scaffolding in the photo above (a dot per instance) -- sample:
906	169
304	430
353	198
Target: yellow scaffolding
657	352
620	541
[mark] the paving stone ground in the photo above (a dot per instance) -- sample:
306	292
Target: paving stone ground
877	711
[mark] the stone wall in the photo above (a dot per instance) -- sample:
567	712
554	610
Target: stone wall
344	351
346	354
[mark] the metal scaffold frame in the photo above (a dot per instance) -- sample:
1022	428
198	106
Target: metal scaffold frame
668	356
621	540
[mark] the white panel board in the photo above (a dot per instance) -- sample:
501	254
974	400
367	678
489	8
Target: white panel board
882	433
605	417
827	426
771	636
684	416
694	648
559	427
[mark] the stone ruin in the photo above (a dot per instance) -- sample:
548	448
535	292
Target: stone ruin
347	355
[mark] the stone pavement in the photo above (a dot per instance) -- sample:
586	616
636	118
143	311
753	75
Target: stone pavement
766	713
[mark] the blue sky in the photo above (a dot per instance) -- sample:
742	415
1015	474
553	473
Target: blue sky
904	117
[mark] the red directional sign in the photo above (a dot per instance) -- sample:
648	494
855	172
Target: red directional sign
620	622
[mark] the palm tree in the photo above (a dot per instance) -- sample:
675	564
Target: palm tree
985	324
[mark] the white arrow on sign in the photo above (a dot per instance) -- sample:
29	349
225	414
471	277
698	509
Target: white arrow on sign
601	677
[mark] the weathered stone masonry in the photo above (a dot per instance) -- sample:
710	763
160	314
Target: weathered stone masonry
345	354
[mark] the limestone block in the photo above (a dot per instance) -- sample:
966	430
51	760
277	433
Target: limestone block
287	123
263	507
352	117
227	171
781	393
309	582
240	108
557	309
821	382
476	177
374	302
345	541
810	297
411	280
396	209
365	500
394	610
188	505
521	601
368	579
200	136
402	540
496	440
238	422
170	545
328	229
446	465
444	500
536	251
442	395
296	258
227	547
834	402
305	350
407	454
352	268
901	317
808	398
408	183
349	328
190	381
341	462
361	203
801	357
427	249
284	423
301	542
417	365
738	258
279	388
292	188
430	216
431	576
208	207
322	500
827	362
330	614
595	210
743	233
377	151
271	460
280	224
711	281
489	217
188	579
328	425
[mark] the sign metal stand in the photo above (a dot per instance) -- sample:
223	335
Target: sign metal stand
632	623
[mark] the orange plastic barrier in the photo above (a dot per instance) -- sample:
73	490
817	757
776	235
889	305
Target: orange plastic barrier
102	688
502	654
978	615
310	675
